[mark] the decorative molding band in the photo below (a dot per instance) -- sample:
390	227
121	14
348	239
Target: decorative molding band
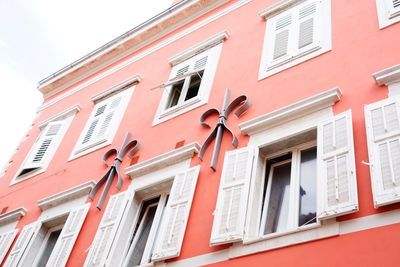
60	115
387	76
119	87
12	216
162	161
278	7
293	111
65	196
139	56
196	49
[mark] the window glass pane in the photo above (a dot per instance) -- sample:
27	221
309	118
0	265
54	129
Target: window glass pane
175	93
308	187
51	242
194	86
278	203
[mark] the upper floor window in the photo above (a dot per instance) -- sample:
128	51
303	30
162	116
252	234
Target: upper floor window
191	78
45	146
103	122
294	35
388	12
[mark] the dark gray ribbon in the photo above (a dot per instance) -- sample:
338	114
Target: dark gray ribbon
242	103
132	147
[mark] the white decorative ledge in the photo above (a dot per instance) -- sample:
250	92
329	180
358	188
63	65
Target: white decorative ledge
12	216
65	196
278	7
293	111
387	76
162	161
131	81
194	50
61	115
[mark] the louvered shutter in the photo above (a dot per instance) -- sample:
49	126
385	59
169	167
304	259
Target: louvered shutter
173	225
68	236
308	33
393	8
24	240
109	225
94	123
383	133
6	240
45	146
336	167
230	211
282	30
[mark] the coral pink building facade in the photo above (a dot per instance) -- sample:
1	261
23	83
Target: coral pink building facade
314	180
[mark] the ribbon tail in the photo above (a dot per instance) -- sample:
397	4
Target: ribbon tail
106	188
99	184
119	176
208	142
234	139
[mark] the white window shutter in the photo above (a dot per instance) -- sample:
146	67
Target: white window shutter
383	134
105	234
230	211
393	8
68	236
308	34
6	240
336	167
174	221
46	145
281	30
24	240
108	119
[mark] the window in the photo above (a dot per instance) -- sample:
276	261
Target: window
296	34
388	12
103	122
191	78
44	148
145	224
282	183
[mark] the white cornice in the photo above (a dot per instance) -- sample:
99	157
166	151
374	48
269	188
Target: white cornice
65	196
387	76
164	160
12	216
62	114
293	111
278	7
131	81
196	49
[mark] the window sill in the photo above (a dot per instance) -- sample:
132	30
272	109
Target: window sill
27	176
304	234
178	110
88	149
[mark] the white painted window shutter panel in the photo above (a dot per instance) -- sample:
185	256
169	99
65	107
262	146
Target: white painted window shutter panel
281	29
383	134
336	167
6	240
174	221
308	33
15	258
109	224
230	211
46	145
68	236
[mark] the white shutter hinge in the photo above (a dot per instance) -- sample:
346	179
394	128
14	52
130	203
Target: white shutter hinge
366	163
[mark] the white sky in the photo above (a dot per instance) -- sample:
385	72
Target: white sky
39	37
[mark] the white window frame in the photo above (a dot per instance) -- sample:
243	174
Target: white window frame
212	49
124	90
268	67
66	116
387	15
44	242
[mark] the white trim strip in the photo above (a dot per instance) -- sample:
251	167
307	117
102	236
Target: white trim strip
387	76
194	50
129	82
144	54
12	216
291	112
60	115
66	195
162	161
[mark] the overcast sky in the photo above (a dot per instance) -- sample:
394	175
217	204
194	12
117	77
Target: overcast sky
39	37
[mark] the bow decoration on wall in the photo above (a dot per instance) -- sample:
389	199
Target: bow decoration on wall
132	147
242	103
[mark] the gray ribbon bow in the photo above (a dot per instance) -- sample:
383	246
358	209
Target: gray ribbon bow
133	147
242	103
